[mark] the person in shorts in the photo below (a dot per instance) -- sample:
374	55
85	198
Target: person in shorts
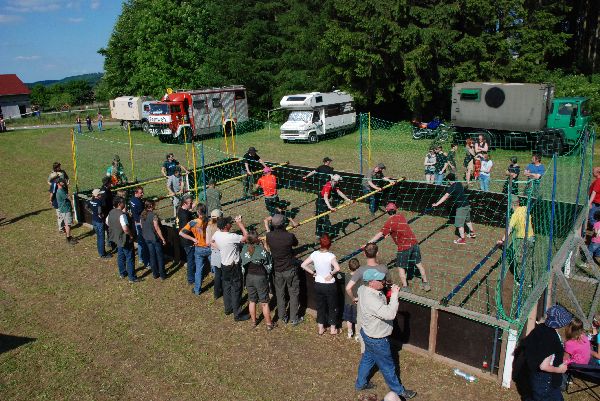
65	209
463	209
349	315
409	253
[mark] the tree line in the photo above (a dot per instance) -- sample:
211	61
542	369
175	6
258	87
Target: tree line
397	57
62	96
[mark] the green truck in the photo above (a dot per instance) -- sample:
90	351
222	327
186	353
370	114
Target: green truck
516	115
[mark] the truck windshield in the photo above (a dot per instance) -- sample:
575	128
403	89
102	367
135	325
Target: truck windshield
300	116
159	109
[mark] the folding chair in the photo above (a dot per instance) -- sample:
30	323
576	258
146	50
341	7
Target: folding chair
585	377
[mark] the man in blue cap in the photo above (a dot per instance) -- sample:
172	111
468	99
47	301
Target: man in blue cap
544	355
377	322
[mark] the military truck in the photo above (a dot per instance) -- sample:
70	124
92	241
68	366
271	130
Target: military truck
518	114
132	111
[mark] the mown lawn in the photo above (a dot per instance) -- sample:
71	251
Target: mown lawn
95	337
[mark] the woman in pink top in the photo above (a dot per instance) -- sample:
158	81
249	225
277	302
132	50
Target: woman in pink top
577	347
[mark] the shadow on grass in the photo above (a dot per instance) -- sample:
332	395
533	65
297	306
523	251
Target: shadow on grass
6	222
8	342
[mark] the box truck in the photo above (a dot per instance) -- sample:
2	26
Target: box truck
511	114
131	110
187	114
313	115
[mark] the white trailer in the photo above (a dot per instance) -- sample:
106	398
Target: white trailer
131	110
313	115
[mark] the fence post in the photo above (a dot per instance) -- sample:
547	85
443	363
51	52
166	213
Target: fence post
360	143
583	153
131	152
203	172
551	236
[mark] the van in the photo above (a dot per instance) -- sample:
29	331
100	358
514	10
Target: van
311	116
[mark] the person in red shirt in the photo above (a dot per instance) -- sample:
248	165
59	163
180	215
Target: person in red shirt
268	183
594	201
324	204
409	253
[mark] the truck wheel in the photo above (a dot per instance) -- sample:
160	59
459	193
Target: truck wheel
146	126
549	144
124	125
313	138
163	138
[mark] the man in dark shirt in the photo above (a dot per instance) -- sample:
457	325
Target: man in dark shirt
169	167
372	182
323	172
250	163
94	205
440	163
544	352
281	244
184	216
463	208
136	206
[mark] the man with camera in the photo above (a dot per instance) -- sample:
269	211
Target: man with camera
377	322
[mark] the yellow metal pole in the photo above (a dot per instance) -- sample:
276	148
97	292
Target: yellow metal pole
224	132
187	154
131	152
195	172
74	156
369	141
255	172
391	184
232	133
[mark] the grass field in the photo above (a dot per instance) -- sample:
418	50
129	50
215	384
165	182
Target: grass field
80	333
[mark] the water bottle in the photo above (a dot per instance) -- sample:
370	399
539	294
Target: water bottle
464	375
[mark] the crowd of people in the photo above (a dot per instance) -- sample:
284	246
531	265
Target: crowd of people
89	123
266	266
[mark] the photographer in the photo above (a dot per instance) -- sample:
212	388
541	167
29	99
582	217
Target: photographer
377	318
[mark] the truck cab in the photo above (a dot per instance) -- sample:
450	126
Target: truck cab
313	115
569	115
168	118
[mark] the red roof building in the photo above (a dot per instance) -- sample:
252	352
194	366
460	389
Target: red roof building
14	97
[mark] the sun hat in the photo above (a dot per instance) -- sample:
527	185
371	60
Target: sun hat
97	192
215	214
251	149
327	159
277	220
391	206
557	316
381	166
373	274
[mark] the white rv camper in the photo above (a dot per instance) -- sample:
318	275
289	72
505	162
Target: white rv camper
313	115
131	110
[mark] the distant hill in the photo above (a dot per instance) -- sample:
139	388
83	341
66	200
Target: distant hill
93	80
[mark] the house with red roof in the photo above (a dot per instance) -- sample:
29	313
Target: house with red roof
14	97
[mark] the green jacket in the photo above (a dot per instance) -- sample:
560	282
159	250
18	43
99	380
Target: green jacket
260	257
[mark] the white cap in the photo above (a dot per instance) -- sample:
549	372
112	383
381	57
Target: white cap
215	214
97	192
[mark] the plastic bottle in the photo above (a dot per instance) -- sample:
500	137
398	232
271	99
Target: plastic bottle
464	375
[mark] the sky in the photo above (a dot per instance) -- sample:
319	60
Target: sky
54	39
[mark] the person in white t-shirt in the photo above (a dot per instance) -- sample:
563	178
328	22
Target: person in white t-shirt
326	266
228	245
485	171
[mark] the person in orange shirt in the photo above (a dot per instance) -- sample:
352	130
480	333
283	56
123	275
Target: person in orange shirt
195	231
268	183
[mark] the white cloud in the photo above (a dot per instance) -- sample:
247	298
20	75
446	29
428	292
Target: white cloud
95	4
29	6
27	58
75	20
7	19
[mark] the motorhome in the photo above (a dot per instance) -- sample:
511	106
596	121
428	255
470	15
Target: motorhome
311	116
132	111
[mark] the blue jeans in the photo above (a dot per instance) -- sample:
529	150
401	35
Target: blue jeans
378	352
593	209
99	125
484	182
99	229
191	262
142	247
439	178
125	255
78	128
594	248
542	389
373	200
202	259
157	261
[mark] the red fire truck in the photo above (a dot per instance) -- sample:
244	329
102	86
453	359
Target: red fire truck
183	114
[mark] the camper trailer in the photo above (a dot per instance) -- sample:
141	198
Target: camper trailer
132	111
311	116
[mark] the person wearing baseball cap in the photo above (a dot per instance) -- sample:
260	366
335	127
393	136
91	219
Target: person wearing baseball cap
408	254
250	162
57	172
268	183
324	204
377	322
544	354
94	206
323	172
372	182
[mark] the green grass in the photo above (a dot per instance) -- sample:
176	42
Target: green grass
99	338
